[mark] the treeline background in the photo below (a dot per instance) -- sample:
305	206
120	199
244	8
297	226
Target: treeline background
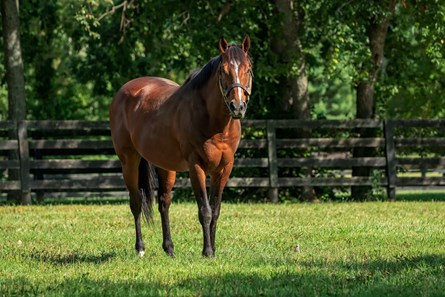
310	57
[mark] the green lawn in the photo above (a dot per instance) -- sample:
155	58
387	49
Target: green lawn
346	249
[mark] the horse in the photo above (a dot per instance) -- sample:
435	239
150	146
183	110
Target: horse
157	124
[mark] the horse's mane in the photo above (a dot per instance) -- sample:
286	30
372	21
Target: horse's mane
199	77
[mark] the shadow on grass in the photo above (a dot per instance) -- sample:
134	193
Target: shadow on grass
71	258
85	201
185	195
385	266
402	277
76	200
421	196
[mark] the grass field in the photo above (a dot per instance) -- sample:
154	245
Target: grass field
345	249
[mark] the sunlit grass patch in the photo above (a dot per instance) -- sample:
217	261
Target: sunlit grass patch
359	249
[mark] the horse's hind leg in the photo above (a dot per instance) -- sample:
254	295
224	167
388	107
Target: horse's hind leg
166	182
130	162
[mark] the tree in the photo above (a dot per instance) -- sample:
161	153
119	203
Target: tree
14	76
377	30
288	46
13	60
312	59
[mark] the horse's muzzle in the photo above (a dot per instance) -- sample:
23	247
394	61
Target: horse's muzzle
237	109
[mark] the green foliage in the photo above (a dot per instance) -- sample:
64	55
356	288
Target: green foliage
3	103
78	53
413	82
331	97
366	249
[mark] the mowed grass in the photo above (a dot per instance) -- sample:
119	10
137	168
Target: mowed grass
344	249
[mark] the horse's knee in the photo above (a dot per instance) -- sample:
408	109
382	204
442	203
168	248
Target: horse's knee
205	215
216	212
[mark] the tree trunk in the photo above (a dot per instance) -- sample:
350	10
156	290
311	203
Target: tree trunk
295	98
14	75
288	45
365	101
44	70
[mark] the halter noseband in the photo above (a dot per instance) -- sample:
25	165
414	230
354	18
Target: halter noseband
226	93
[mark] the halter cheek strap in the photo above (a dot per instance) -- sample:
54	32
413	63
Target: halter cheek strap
226	93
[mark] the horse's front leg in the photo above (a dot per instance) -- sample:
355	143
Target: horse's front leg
217	183
198	180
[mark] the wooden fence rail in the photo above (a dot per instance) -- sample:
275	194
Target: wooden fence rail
46	157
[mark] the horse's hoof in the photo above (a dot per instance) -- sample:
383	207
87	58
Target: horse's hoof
141	254
170	253
208	253
169	250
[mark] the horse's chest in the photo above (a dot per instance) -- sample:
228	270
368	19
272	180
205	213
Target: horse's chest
218	153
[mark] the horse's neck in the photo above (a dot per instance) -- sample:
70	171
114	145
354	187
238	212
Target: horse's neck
219	117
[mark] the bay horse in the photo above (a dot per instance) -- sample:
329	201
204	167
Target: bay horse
155	123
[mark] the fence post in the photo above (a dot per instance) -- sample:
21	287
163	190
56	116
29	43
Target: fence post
25	186
272	157
390	156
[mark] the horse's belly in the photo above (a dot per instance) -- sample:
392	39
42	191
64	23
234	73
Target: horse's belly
164	155
178	165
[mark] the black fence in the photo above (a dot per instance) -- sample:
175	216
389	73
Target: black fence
65	158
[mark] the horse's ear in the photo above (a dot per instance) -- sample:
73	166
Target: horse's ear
246	43
223	45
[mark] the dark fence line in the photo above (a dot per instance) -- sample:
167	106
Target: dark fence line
68	157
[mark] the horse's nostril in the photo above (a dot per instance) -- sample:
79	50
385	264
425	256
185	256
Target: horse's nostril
242	106
232	105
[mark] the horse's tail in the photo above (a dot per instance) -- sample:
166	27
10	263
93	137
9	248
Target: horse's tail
146	189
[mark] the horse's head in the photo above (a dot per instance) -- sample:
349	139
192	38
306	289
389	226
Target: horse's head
235	76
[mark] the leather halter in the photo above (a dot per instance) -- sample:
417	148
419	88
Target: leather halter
225	93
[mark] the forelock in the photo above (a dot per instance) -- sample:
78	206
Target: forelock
235	53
